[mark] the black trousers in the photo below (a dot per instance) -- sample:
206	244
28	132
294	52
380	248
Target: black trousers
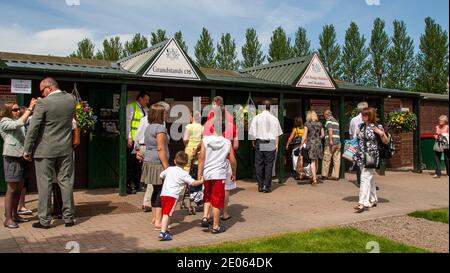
134	169
156	196
438	156
264	159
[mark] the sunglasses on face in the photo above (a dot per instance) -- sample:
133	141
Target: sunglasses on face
15	110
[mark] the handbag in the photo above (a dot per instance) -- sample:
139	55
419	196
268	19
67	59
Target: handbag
440	145
349	150
370	161
76	132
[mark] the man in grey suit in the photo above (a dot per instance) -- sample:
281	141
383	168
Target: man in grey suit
49	141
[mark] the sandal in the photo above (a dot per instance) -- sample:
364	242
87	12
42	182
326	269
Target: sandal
360	209
314	183
25	212
205	222
221	229
11	225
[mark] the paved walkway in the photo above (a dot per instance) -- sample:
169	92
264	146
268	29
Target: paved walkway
110	223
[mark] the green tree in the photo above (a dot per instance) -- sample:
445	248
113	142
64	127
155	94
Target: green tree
204	50
112	49
226	57
302	45
251	50
379	47
85	49
138	43
401	61
178	36
330	51
158	37
280	46
432	59
354	56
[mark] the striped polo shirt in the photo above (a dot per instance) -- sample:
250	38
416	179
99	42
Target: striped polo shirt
332	123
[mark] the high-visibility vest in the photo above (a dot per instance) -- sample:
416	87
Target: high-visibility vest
136	120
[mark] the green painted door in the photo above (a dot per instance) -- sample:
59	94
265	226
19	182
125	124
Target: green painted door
103	147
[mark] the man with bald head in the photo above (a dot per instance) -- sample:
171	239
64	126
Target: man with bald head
49	142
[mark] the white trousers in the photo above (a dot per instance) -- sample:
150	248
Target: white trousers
368	189
148	196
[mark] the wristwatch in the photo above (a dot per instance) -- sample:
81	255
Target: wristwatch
28	109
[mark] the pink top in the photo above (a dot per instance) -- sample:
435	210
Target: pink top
443	130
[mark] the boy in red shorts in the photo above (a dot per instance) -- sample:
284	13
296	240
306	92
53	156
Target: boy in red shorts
175	179
213	167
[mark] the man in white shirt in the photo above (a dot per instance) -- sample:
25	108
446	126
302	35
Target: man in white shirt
354	131
264	131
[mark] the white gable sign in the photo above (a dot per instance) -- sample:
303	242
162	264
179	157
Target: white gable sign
316	76
171	63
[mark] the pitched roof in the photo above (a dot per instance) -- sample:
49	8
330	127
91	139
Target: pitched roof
136	61
283	72
56	63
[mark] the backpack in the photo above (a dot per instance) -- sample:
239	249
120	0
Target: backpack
387	151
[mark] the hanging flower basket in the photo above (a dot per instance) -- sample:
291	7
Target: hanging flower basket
245	113
84	114
402	122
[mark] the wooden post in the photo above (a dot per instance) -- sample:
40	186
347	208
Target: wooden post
281	167
417	147
382	122
20	99
122	141
342	134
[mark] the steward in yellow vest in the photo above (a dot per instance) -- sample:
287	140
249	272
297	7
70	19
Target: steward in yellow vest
135	112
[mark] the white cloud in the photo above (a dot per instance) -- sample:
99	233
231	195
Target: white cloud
57	41
291	17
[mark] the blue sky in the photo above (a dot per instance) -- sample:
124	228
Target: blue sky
53	27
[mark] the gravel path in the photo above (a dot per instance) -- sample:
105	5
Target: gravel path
416	232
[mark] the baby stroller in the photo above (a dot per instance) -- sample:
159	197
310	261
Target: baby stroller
192	194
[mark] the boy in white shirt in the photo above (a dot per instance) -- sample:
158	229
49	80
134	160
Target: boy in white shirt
175	179
213	167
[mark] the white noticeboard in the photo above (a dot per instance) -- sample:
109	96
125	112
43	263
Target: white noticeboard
20	86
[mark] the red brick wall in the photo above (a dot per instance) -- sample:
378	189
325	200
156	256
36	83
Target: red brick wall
429	114
404	154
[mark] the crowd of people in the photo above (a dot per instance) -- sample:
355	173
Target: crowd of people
42	133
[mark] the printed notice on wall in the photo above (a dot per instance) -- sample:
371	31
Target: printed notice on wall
20	86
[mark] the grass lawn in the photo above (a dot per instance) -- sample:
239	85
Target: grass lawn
333	240
436	215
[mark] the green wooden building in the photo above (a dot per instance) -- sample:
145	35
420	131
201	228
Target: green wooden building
167	73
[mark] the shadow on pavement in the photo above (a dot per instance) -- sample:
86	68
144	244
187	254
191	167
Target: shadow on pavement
355	199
